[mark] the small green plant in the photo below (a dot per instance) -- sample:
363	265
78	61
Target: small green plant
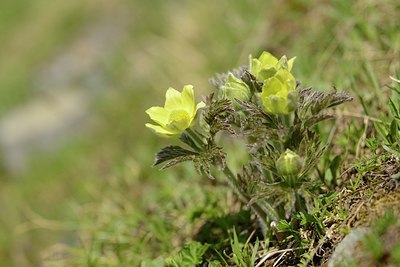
243	254
191	254
263	106
392	135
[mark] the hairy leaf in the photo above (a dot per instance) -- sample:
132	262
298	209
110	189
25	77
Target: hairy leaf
311	101
215	156
256	113
218	115
313	151
251	81
173	152
220	79
185	138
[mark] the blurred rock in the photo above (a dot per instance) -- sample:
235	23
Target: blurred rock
349	248
56	111
41	125
83	62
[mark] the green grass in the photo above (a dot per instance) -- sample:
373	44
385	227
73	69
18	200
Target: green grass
98	195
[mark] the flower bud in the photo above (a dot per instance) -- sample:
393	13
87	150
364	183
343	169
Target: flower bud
235	88
289	163
279	95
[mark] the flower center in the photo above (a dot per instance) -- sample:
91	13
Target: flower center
179	115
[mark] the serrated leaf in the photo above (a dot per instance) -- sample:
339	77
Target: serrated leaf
191	254
317	118
177	160
219	115
172	152
315	101
313	151
220	79
203	162
256	111
203	167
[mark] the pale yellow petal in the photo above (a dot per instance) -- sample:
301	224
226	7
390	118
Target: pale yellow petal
271	87
283	62
188	102
178	126
267	59
255	66
200	105
266	73
286	78
173	99
250	62
160	130
292	99
290	63
159	115
278	105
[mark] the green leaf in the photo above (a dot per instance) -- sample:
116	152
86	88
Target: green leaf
218	115
311	101
203	162
369	73
190	255
316	119
220	79
381	130
313	151
391	150
173	152
334	166
393	108
284	226
394	132
185	138
260	117
251	81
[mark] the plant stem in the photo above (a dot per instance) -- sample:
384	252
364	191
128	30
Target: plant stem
300	205
261	208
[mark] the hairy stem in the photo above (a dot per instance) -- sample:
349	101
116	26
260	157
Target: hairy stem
261	208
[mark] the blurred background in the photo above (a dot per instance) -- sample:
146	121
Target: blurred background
76	77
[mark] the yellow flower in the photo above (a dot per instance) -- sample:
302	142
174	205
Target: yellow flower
267	65
279	94
177	114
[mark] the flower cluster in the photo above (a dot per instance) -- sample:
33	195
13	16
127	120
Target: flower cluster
262	104
278	95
